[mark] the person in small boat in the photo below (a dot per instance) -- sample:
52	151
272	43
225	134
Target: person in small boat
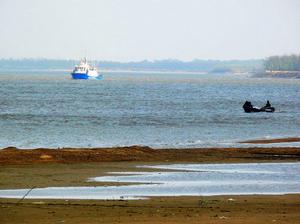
267	106
248	108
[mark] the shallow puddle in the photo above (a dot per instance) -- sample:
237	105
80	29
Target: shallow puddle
182	180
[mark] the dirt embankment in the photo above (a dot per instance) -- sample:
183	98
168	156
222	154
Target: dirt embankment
146	154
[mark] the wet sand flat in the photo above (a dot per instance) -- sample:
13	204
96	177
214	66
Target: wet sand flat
225	209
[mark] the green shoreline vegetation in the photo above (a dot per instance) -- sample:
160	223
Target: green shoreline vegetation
286	66
282	63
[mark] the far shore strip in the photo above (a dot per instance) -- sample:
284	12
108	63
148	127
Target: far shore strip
274	140
146	154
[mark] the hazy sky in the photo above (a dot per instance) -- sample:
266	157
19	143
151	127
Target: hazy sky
128	30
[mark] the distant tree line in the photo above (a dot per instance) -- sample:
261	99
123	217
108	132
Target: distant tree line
216	66
283	63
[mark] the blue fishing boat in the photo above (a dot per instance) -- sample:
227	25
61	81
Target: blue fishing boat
85	71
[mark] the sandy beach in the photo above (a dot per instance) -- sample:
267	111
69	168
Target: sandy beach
72	167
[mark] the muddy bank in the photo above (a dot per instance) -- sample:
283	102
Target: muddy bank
146	154
273	140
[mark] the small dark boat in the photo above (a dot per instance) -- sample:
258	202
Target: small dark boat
269	109
248	108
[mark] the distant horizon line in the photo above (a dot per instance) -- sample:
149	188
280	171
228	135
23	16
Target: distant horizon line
130	61
144	60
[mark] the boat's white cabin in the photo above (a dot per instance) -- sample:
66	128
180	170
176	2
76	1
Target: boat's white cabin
83	66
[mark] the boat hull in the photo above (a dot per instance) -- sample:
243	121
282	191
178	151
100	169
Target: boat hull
85	76
79	76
